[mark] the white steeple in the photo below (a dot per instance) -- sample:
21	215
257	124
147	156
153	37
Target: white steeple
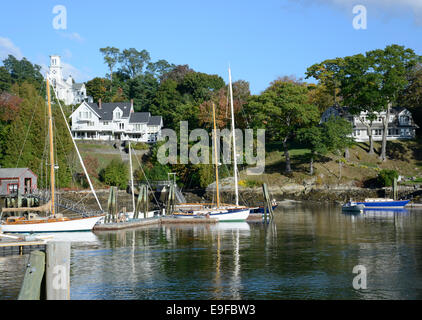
55	68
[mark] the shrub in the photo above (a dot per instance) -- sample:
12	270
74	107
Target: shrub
386	177
115	174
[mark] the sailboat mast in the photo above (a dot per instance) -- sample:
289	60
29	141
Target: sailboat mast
50	133
131	179
215	155
236	187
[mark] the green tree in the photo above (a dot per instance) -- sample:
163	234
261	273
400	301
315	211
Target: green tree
5	79
115	174
98	88
133	62
283	109
23	71
111	57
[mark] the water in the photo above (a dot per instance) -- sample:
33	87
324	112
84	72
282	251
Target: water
309	252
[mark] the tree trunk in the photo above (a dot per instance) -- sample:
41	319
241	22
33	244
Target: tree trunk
311	165
287	156
383	155
346	154
369	131
371	141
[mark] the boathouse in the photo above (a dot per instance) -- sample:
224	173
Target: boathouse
14	179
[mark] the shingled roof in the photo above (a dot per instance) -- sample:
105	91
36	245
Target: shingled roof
107	108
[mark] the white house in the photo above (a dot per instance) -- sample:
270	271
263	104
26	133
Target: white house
115	121
67	90
400	125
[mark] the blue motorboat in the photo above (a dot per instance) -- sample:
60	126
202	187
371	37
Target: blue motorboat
381	203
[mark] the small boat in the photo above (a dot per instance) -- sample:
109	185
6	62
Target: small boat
223	213
381	203
353	207
261	209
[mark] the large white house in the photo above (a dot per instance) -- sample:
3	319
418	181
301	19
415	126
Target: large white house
115	121
67	90
400	125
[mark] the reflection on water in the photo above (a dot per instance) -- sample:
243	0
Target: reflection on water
308	252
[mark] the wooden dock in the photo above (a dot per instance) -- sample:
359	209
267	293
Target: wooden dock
16	245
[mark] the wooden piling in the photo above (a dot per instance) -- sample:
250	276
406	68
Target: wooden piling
58	271
31	287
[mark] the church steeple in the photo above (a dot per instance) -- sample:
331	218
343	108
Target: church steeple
56	68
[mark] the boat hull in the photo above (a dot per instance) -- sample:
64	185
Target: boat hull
385	204
83	224
230	215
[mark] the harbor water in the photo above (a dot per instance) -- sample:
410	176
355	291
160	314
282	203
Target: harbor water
309	251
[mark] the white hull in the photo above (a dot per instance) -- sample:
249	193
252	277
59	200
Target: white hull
220	215
83	224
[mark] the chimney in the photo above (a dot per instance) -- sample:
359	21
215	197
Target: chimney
131	105
99	103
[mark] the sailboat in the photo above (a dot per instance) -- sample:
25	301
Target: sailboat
53	221
219	211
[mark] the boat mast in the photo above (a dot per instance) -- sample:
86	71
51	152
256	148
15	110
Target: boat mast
50	133
215	155
131	178
236	188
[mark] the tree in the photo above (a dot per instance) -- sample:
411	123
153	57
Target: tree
282	109
133	61
115	174
143	90
328	74
334	135
23	71
98	88
391	67
5	79
411	97
111	57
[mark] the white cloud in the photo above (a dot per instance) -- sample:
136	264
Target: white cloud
8	47
77	74
74	36
386	8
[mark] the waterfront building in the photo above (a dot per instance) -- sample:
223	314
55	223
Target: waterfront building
114	121
13	180
400	124
67	90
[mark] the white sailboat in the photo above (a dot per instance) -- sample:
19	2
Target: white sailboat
221	212
52	222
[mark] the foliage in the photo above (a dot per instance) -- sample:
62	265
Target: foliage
115	174
386	177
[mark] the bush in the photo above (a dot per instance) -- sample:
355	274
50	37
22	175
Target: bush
386	177
115	174
136	146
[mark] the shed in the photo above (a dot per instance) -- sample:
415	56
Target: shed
14	179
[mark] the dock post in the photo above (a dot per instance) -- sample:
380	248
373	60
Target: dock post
395	191
32	282
58	271
267	203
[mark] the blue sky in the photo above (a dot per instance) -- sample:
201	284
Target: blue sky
261	40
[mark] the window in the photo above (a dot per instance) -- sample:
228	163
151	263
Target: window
12	188
91	124
377	132
85	115
121	126
137	127
105	123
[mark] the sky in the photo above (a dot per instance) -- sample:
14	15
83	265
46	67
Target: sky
260	40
